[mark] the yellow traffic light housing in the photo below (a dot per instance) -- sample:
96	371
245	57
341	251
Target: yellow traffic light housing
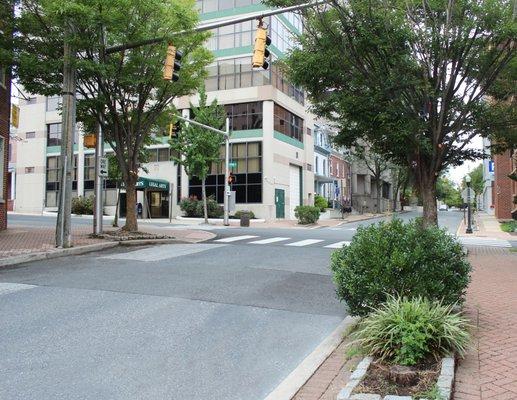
172	64
260	51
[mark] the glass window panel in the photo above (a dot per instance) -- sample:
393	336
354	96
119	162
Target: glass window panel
211	84
254	194
241	166
225	42
253	165
163	154
253	149
209	6
242	3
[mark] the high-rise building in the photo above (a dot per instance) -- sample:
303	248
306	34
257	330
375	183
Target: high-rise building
271	145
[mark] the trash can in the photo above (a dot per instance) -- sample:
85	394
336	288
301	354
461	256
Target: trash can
245	219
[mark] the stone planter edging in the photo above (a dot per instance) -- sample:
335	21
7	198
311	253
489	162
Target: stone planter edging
444	383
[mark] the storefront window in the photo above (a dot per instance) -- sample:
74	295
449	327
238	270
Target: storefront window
248	172
288	123
244	116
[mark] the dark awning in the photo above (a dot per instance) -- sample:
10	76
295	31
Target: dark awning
152	183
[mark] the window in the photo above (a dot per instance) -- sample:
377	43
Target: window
235	73
159	155
248	173
309	167
206	6
244	116
54	134
30	135
89	171
53	103
309	131
29	170
288	123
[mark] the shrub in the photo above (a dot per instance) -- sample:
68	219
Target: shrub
307	214
320	202
190	206
193	207
394	258
82	205
239	213
510	226
407	332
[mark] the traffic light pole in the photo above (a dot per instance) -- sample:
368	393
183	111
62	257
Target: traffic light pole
226	133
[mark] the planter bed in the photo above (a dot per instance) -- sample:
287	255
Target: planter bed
371	381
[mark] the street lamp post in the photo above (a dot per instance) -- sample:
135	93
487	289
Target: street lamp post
469	209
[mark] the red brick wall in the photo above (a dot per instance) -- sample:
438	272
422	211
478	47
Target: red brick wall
503	186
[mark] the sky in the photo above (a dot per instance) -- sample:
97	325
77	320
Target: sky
456	174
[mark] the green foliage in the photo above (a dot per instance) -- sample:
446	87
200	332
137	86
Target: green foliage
397	89
125	91
320	202
82	205
477	183
307	214
396	258
509	226
407	332
194	207
447	192
239	213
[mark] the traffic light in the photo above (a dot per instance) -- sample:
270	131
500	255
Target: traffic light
172	64
260	51
174	129
231	179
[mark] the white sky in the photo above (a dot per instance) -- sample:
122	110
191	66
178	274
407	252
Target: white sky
456	174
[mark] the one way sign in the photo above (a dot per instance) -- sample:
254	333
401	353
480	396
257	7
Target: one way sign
103	170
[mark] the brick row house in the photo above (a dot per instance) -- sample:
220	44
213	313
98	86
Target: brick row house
505	185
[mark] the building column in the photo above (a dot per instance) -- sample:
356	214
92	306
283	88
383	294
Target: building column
80	163
268	164
185	113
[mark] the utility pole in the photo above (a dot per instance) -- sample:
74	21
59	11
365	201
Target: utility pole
63	225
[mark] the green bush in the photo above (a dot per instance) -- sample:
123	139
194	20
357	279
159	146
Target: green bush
320	202
509	226
239	213
394	258
193	207
307	214
407	332
82	205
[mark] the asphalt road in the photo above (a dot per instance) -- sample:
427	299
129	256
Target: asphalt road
228	319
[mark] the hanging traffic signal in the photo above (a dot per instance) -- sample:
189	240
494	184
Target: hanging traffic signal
260	51
172	64
231	179
174	129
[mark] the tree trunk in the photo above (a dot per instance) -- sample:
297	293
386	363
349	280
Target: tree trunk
115	220
428	192
395	195
131	220
379	188
205	205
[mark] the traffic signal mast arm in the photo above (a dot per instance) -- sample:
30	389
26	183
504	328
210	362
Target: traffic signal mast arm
212	25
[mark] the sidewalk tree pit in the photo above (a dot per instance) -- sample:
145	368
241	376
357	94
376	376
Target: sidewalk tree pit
406	280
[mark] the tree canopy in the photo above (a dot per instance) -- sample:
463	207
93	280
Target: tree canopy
409	77
124	92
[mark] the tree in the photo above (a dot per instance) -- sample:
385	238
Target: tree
115	175
409	77
477	183
447	192
375	163
123	92
197	148
400	177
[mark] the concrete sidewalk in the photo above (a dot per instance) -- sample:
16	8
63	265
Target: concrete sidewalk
486	225
489	370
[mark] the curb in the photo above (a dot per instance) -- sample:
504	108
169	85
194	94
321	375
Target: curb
301	374
24	258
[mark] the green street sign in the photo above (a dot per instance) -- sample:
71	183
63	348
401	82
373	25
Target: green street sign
232	164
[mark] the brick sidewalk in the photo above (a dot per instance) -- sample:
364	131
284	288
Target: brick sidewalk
489	370
20	239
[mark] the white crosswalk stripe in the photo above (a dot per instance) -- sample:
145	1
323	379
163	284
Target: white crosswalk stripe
235	238
338	245
475	241
270	240
306	242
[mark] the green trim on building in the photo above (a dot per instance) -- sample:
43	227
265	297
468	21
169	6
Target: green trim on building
236	51
286	139
233	11
276	51
244	134
286	22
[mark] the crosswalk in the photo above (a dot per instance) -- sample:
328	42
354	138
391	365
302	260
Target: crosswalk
284	241
329	244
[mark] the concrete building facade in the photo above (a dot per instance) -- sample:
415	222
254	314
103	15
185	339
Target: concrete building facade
272	144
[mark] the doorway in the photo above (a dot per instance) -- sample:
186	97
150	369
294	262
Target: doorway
280	203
